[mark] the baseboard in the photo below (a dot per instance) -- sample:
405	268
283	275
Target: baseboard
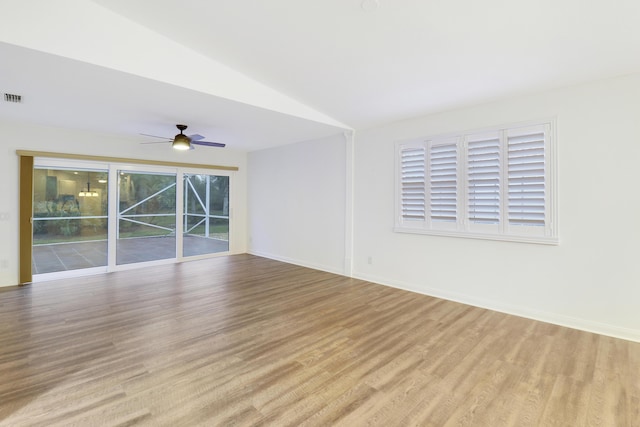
553	318
526	312
301	263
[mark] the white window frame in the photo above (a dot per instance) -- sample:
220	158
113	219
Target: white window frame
464	226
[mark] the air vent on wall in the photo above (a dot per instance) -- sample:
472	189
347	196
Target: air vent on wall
10	97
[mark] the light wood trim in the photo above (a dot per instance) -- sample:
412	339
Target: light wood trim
26	209
121	160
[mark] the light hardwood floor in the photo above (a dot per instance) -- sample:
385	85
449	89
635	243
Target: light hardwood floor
244	340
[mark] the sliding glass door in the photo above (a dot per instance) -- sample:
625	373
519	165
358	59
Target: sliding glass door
69	219
114	216
206	214
146	217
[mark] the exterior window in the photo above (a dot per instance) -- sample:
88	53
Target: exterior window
497	184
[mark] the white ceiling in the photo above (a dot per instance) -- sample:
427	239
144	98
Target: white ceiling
62	92
359	62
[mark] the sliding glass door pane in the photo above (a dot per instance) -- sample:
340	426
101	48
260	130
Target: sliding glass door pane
69	219
146	217
206	214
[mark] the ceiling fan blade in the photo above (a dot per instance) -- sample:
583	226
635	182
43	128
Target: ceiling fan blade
209	144
155	136
156	142
196	137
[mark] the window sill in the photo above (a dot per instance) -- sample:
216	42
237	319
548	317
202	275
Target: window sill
540	240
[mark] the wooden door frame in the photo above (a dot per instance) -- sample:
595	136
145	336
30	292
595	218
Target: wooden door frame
25	222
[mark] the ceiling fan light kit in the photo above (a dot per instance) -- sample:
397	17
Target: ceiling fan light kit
181	141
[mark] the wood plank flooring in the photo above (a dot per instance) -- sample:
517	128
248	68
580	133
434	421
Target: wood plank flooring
244	340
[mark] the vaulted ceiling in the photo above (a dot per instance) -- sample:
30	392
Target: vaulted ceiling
255	74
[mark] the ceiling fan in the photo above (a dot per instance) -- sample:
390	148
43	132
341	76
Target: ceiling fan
184	142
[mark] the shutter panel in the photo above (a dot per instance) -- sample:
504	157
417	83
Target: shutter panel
483	168
413	183
527	179
443	177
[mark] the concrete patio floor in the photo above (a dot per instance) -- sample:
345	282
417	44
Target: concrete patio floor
55	257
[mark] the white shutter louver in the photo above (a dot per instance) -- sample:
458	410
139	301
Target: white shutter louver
483	168
413	183
443	177
526	167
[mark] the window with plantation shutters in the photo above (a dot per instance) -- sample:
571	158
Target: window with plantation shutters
483	184
413	184
496	184
526	179
443	182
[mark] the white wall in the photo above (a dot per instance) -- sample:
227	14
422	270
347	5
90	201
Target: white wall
19	136
297	203
590	281
298	211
